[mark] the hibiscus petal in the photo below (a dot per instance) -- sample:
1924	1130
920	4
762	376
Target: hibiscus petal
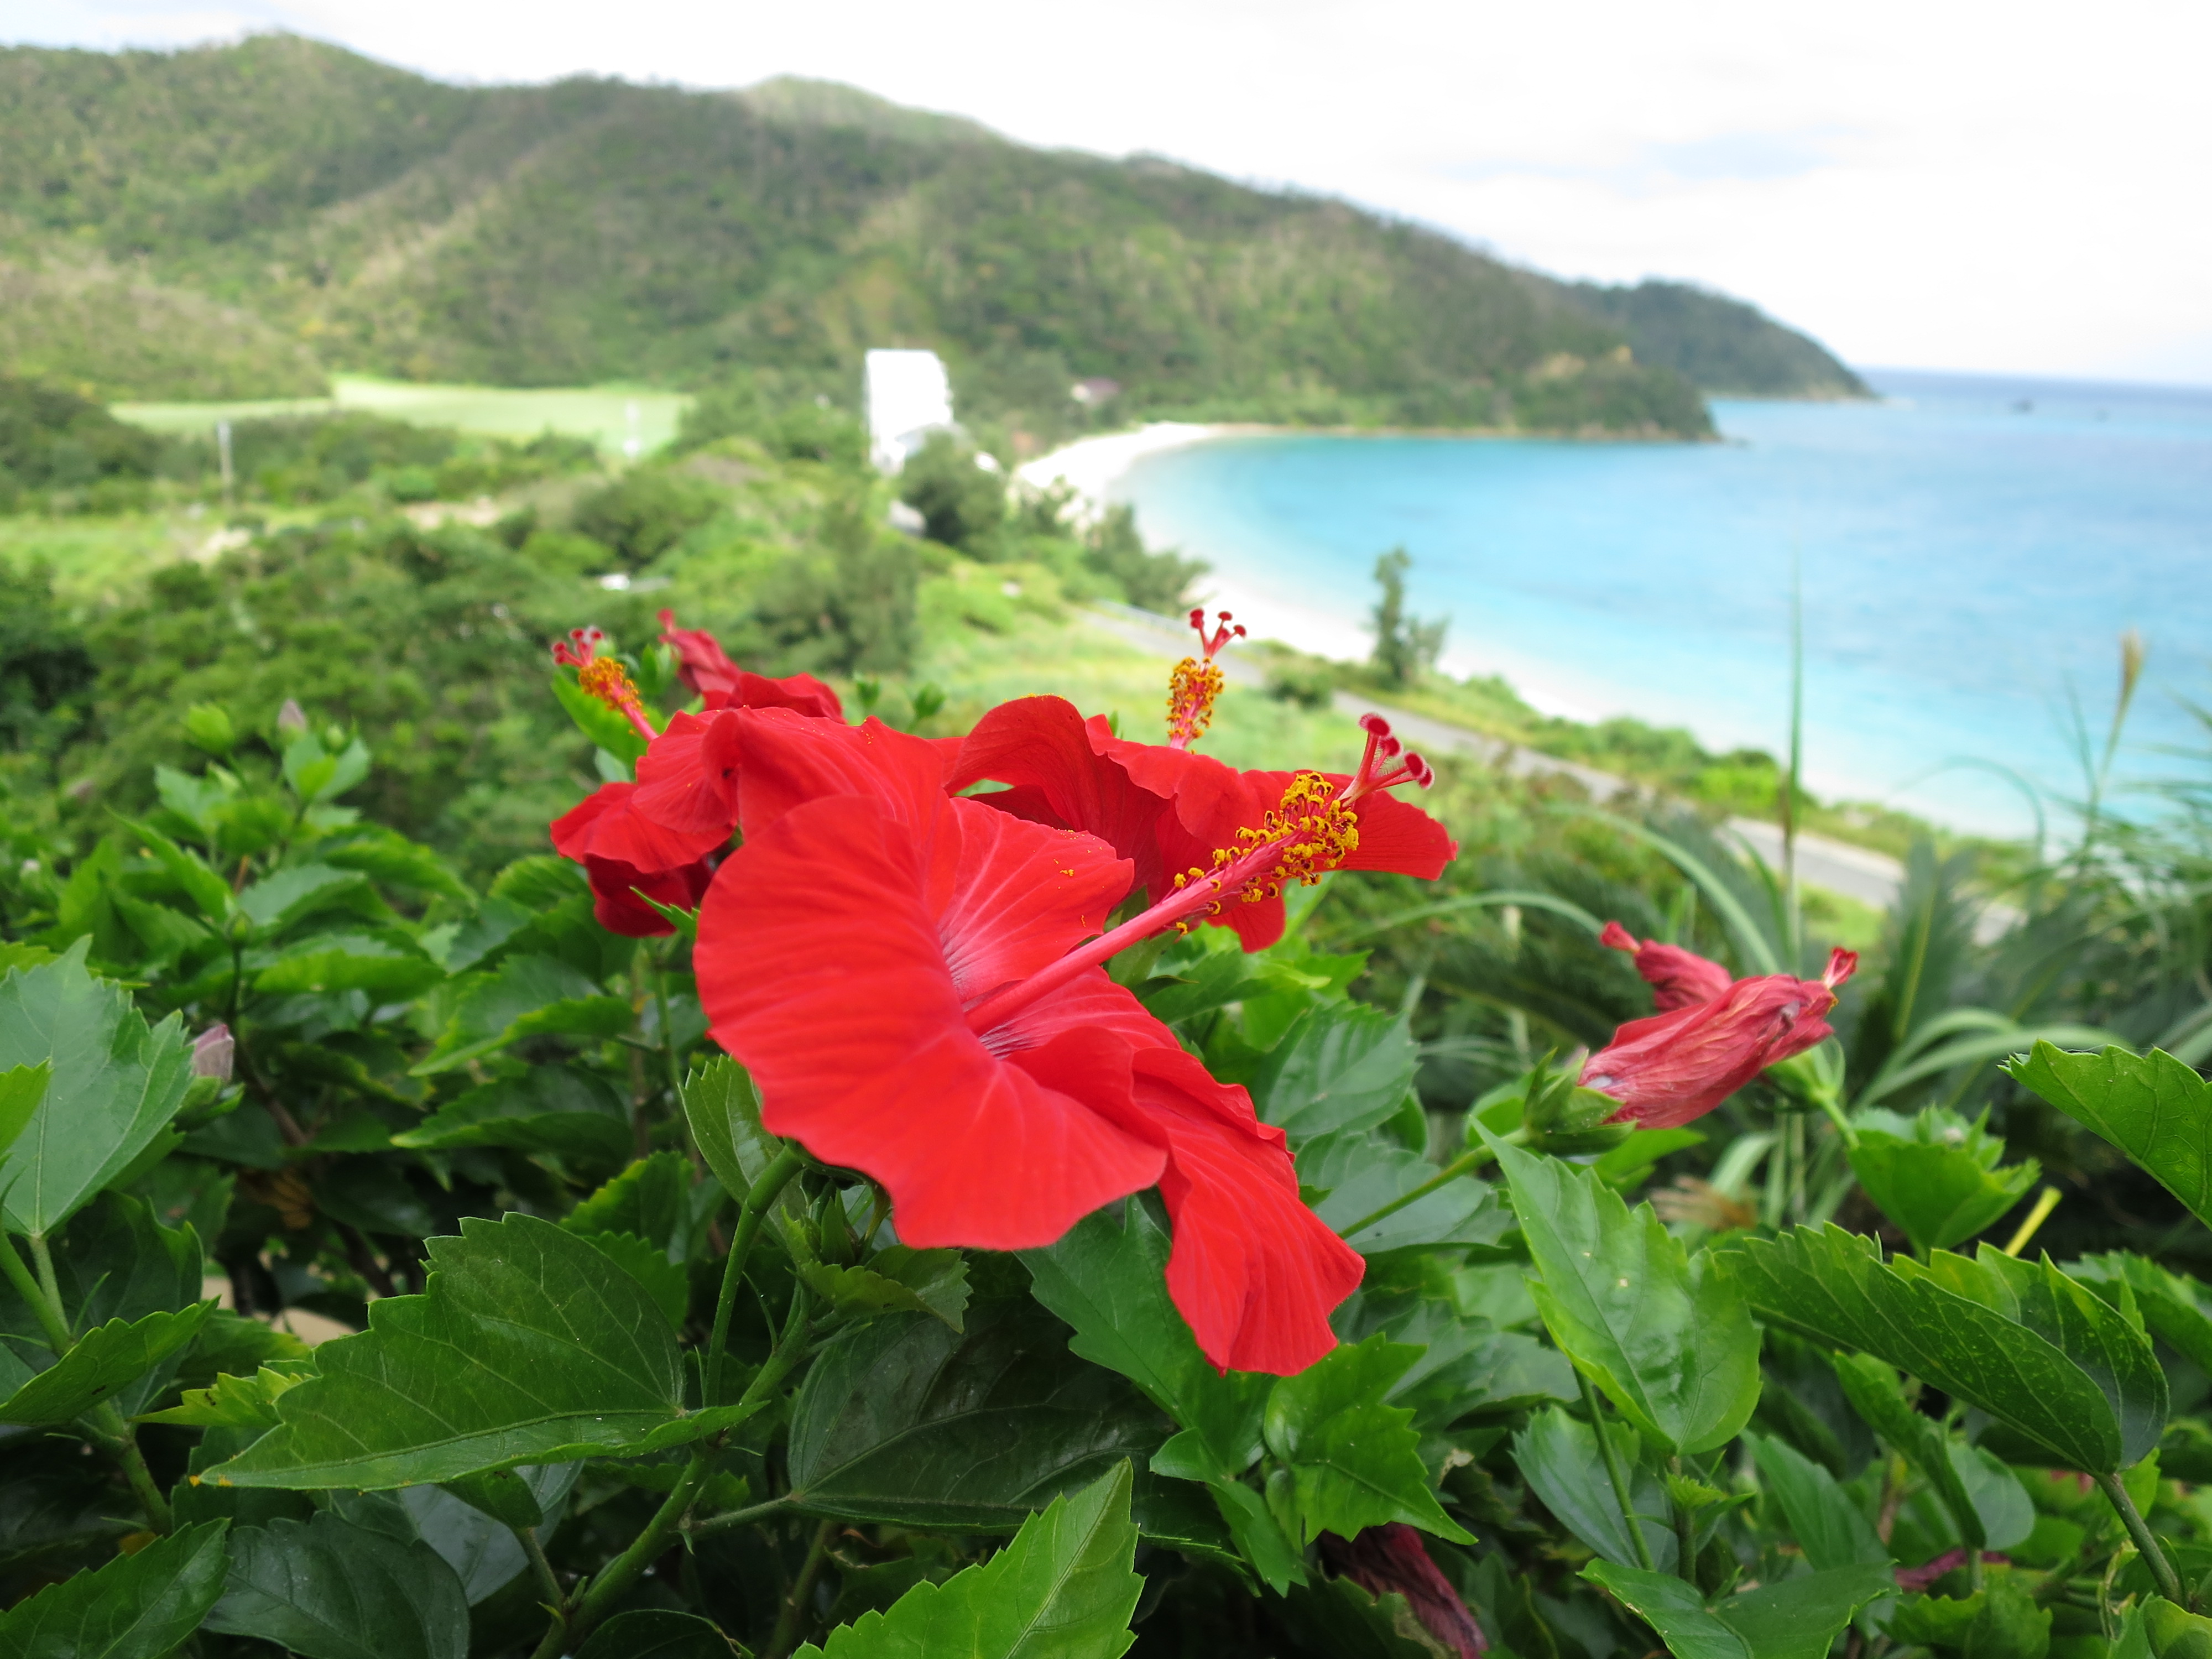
1011	897
785	760
615	887
820	968
687	778
607	825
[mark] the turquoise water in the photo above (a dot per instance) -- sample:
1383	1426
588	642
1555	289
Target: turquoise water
1971	550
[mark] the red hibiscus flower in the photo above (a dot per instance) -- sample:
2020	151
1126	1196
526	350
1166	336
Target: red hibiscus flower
1391	1560
1678	978
623	852
1167	810
702	664
903	972
1678	1066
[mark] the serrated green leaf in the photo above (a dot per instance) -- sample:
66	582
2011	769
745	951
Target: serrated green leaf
517	1498
484	1553
1258	1536
1827	1526
21	1089
1355	1458
103	1360
1106	1276
136	1606
1870	1384
350	961
209	892
1942	1184
529	1346
2172	1304
1065	1588
1558	1455
899	1280
647	1198
2006	1512
665	1281
658	1633
299	890
1833	1284
723	1110
1668	1340
1342	1066
114	1085
903	1420
528	995
1360	1172
2151	1107
557	1110
236	1402
1792	1618
330	1589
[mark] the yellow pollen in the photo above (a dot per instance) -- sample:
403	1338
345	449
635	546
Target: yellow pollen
1318	832
1192	689
604	678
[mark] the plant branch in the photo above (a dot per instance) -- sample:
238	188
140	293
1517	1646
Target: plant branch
1685	1536
765	1191
49	1313
794	1611
1615	1474
729	1518
106	1427
1464	1163
2161	1570
557	1600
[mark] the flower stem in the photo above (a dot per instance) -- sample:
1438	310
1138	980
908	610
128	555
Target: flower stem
1465	1162
49	1313
2045	1202
557	1600
793	1612
1686	1538
765	1191
1614	1473
745	1517
2161	1570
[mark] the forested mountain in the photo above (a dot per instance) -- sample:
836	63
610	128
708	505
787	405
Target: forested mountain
309	201
1722	344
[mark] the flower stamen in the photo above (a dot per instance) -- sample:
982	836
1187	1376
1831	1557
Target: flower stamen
1195	682
603	678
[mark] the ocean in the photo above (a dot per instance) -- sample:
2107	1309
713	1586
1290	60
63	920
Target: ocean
1969	551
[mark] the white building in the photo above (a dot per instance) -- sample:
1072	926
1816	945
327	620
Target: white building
910	397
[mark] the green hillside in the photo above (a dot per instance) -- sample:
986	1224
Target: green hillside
1722	344
592	229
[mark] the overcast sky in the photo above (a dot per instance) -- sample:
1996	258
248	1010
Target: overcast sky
2010	187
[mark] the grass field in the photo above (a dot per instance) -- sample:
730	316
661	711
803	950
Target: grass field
612	416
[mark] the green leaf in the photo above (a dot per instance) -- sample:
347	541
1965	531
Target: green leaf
1341	1067
528	995
1626	1165
136	1606
350	961
1792	1618
299	891
1106	1276
1942	1184
665	1281
1258	1536
484	1553
2151	1107
330	1589
534	1347
1827	1526
114	1086
1558	1455
1834	1284
236	1402
658	1633
903	1420
1361	1172
1870	1385
209	892
1355	1459
1668	1340
517	1498
103	1360
557	1110
21	1089
899	1280
605	727
646	1198
2001	1504
723	1112
2172	1304
1065	1588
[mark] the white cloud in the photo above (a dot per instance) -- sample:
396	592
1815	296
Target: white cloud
1974	186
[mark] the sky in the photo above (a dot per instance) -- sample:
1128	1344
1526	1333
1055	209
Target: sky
2008	188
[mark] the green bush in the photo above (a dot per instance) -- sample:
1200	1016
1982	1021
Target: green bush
646	511
961	503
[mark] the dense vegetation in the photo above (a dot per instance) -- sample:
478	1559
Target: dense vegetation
593	230
300	786
1722	344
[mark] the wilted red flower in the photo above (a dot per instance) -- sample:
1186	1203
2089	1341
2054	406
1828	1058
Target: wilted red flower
1678	1066
702	665
623	850
1168	810
1391	1560
1678	978
897	968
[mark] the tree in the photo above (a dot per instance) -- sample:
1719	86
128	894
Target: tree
1406	646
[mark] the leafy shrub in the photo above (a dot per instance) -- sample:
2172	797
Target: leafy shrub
962	503
646	511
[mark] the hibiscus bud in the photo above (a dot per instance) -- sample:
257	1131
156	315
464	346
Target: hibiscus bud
291	721
212	1051
1567	1120
1678	978
1390	1560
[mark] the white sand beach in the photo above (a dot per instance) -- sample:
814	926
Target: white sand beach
1089	465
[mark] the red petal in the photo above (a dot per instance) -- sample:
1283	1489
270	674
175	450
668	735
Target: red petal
607	825
618	909
801	693
1675	1066
1398	837
1011	896
820	967
688	777
785	760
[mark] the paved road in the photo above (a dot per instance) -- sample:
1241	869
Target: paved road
1853	871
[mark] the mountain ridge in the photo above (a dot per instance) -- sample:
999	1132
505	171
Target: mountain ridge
592	229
